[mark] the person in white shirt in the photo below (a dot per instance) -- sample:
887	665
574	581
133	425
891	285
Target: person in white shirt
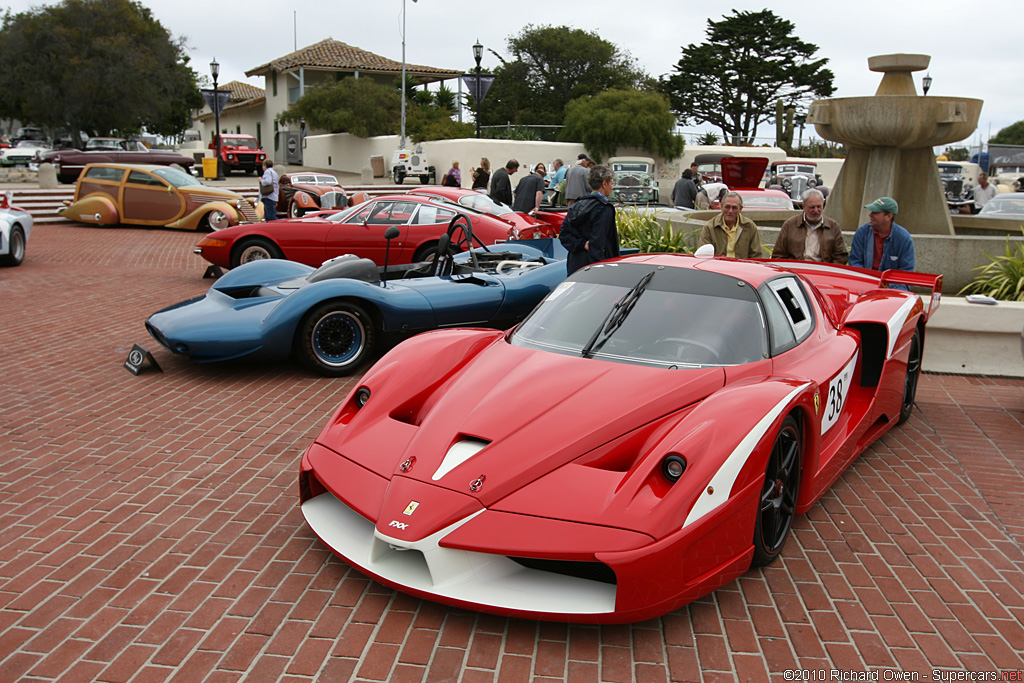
983	192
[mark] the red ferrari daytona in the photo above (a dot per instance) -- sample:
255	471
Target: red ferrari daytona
644	437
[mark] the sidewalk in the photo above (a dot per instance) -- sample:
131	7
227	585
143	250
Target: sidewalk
150	531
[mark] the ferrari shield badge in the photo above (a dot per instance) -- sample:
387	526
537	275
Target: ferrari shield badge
411	507
817	402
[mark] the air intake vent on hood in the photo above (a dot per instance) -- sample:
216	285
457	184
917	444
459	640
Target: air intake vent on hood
461	451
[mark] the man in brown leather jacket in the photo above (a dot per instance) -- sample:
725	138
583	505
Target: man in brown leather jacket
811	236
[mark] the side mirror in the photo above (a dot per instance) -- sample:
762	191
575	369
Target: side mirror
392	232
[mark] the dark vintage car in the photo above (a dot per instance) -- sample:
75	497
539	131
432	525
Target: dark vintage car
959	193
709	167
634	180
239	153
794	178
70	162
147	195
302	192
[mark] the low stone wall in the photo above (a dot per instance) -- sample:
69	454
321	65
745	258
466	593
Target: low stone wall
975	339
955	257
17	174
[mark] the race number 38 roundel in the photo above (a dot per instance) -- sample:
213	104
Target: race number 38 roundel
838	390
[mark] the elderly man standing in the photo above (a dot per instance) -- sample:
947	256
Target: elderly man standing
811	236
983	192
882	244
576	180
731	233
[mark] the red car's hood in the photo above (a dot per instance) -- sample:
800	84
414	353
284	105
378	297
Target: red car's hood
509	416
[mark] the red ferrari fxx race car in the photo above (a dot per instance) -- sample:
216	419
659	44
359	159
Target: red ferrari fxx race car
643	438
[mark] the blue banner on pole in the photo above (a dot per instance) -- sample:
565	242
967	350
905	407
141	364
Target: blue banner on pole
216	106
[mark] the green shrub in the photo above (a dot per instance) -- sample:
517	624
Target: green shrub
639	230
1003	278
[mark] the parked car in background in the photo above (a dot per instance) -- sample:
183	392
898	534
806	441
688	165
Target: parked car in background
357	230
144	194
743	175
709	167
1009	205
406	163
634	180
69	162
23	153
302	192
959	193
239	153
523	226
794	178
15	227
29	133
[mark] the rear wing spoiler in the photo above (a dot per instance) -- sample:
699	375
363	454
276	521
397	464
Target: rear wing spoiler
912	279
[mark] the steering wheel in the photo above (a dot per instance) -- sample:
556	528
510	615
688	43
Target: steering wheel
466	237
681	346
504	266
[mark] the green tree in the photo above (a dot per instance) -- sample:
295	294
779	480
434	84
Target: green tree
352	105
1011	135
623	118
95	66
750	60
550	66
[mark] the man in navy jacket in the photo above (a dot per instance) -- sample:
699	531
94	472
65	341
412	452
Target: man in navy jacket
588	232
881	243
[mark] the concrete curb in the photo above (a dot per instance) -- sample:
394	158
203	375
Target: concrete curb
975	339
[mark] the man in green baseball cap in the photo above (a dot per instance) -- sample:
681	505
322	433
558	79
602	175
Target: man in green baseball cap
881	243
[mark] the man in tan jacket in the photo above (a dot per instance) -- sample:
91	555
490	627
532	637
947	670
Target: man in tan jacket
811	236
731	233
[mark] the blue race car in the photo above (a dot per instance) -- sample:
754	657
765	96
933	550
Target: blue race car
336	316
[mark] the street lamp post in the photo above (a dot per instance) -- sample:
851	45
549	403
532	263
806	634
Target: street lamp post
926	83
215	72
401	140
478	53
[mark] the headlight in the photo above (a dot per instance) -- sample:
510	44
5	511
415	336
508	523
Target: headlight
362	396
673	467
231	157
811	182
787	183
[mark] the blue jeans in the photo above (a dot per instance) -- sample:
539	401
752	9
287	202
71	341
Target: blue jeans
269	209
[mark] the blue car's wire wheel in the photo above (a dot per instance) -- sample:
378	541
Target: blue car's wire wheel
336	338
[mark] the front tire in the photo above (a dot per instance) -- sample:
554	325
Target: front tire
399	177
336	338
294	210
16	249
254	249
913	373
777	503
216	220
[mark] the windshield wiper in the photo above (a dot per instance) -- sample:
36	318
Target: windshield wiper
616	316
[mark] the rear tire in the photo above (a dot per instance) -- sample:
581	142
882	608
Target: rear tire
336	338
913	373
777	503
254	249
16	249
424	180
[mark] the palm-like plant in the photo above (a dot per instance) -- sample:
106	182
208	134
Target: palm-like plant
1003	278
639	230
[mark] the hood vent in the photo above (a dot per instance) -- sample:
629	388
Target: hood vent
461	451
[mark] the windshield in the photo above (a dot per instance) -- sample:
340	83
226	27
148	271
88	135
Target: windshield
245	143
484	204
684	318
103	143
31	143
766	201
1004	206
176	177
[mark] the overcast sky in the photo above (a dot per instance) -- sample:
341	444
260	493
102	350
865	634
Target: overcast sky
975	47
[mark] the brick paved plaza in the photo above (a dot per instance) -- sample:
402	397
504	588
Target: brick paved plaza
149	527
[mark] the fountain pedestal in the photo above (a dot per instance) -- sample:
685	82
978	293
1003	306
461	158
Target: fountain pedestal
889	139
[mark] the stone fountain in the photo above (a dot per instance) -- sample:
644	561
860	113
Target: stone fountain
889	139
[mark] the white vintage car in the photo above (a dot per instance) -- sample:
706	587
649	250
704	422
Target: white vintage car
15	226
24	153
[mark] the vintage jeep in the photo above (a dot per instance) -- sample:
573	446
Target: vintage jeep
406	163
958	193
634	180
239	153
794	178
